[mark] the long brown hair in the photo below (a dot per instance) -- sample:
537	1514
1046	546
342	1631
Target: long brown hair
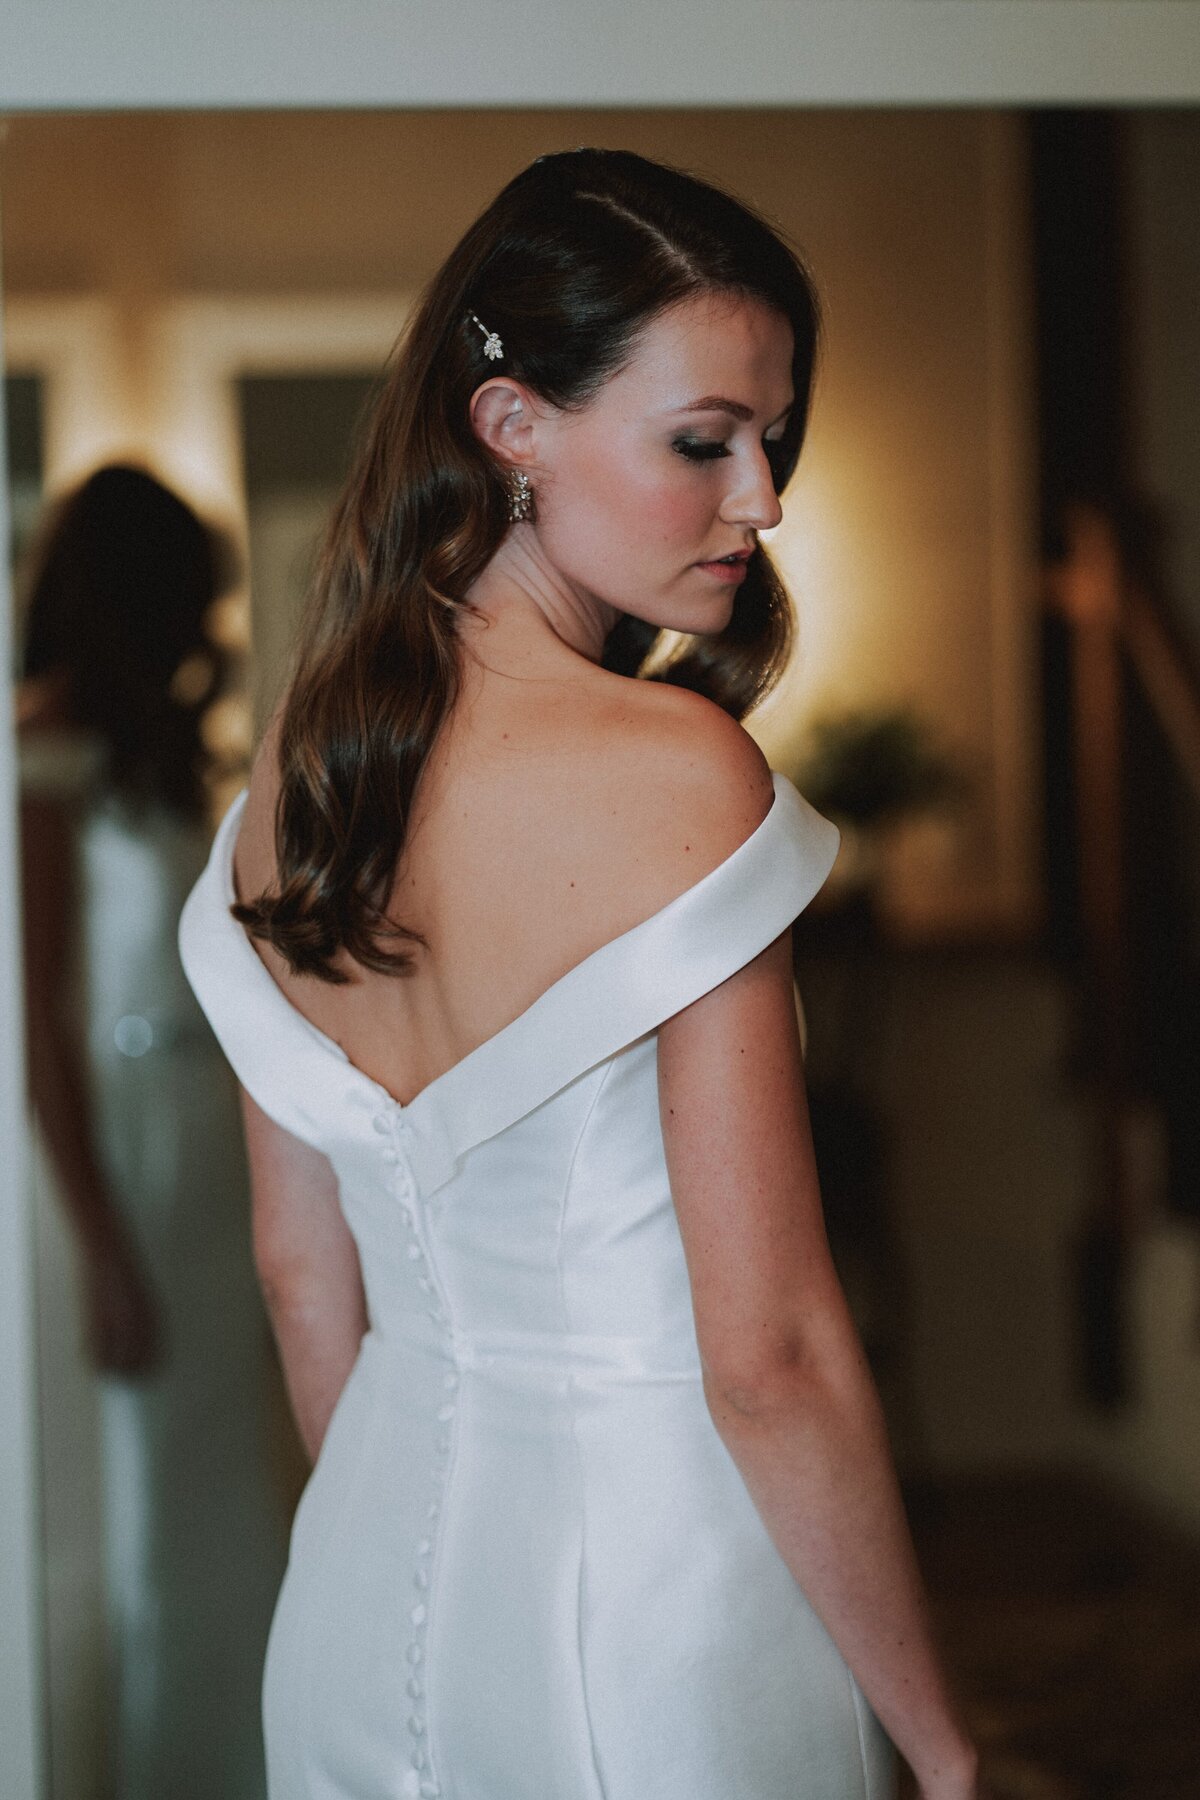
566	265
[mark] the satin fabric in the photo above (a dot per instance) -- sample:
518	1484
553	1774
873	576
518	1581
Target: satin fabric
190	1531
525	1566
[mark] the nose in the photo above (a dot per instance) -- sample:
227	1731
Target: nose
754	501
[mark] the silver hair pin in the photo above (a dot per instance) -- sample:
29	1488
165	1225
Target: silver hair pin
493	348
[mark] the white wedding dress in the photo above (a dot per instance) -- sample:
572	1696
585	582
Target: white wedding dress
169	1474
525	1566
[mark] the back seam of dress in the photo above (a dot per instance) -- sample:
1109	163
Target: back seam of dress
599	1791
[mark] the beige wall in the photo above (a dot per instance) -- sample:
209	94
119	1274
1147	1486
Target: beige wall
907	535
991	1172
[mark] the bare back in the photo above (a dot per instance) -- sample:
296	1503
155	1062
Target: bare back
561	805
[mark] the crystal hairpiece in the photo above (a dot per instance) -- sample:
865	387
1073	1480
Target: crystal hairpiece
493	349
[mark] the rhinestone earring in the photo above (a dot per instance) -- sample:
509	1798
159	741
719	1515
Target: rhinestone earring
520	497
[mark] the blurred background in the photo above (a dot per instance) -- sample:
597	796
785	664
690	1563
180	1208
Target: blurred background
993	542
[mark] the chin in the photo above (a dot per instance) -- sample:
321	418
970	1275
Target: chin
719	619
684	616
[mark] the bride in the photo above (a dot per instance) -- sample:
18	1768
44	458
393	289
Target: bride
138	1119
498	943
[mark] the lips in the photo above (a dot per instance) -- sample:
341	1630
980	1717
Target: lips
727	568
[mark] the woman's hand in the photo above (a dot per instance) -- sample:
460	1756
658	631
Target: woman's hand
124	1328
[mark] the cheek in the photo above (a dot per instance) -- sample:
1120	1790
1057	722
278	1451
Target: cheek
637	500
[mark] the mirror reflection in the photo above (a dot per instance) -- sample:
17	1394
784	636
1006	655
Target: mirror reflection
165	1521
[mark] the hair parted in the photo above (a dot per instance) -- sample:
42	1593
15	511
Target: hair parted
564	268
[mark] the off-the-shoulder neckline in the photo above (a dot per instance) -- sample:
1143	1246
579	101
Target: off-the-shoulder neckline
257	970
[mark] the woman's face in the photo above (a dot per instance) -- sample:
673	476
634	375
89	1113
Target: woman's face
667	469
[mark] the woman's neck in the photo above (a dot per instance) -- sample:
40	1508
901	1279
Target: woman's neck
520	588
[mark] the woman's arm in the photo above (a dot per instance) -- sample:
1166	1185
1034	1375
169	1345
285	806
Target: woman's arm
307	1267
786	1379
124	1331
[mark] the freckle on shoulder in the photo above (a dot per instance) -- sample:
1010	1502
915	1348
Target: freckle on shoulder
701	786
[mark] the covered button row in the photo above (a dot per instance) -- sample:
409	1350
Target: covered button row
419	1782
419	1779
385	1124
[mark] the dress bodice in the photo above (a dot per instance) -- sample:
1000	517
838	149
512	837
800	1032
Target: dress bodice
304	1080
562	1099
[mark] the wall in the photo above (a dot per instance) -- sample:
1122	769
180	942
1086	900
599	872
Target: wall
1158	1444
1163	180
992	1155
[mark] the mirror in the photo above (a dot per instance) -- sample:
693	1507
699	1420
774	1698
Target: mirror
165	1494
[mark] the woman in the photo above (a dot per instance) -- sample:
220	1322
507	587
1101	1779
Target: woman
140	1120
602	1503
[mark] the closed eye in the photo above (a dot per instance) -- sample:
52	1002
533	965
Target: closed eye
709	449
701	449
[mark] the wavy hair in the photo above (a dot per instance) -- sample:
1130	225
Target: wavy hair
569	262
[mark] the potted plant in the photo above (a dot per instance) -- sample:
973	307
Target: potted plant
868	769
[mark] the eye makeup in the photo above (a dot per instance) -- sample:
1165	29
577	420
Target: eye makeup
700	449
709	449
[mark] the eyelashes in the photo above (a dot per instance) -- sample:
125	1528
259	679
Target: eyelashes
709	449
700	449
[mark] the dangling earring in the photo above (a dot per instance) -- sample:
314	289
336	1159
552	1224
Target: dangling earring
520	497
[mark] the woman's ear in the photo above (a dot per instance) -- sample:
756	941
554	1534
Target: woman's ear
502	418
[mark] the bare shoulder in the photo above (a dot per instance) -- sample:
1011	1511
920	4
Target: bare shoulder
686	785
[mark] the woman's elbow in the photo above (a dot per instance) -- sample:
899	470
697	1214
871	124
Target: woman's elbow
798	1366
285	1282
753	1385
292	1273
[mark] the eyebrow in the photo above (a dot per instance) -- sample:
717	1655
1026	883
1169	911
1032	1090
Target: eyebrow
717	403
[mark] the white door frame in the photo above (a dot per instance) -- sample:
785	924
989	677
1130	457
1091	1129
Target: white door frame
22	1647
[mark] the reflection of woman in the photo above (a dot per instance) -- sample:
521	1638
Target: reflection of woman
139	1119
603	1503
